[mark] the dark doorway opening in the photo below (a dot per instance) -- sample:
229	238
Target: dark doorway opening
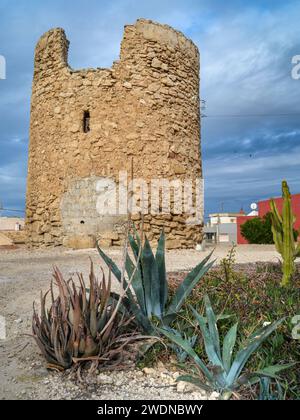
86	121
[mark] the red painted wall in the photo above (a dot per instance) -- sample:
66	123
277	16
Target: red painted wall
263	208
240	220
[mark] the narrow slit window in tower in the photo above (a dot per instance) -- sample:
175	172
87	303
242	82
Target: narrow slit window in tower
86	121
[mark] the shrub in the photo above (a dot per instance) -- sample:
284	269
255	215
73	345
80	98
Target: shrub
259	230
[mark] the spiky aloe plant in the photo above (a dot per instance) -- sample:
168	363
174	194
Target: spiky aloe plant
224	374
283	234
79	325
150	302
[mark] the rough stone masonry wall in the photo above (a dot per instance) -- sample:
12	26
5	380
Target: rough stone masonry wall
145	107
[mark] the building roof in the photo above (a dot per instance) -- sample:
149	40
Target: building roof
253	213
210	229
226	214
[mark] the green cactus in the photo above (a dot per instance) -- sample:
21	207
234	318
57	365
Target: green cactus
282	228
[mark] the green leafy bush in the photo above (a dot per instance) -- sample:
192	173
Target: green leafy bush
259	230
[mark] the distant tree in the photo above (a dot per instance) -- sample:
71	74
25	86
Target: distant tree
258	230
253	231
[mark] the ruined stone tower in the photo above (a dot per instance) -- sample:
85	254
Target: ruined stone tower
87	125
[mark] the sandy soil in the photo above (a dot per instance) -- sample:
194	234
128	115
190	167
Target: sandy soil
24	273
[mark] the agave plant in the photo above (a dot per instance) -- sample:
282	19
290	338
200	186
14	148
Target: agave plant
224	374
79	325
150	303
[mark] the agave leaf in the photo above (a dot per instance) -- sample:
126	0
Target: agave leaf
185	345
228	346
151	282
161	266
91	347
63	289
168	319
271	371
57	347
51	290
104	293
188	284
137	283
142	320
194	381
210	347
92	301
219	317
115	270
244	354
76	321
83	292
82	343
135	245
44	317
144	347
46	350
104	302
257	332
212	326
131	307
109	262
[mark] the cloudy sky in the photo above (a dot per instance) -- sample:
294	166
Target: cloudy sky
251	135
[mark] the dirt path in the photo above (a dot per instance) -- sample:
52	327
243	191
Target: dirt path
23	274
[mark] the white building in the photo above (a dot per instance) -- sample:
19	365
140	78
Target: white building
222	227
221	218
11	223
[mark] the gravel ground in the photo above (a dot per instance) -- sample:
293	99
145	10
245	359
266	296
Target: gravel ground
151	384
24	273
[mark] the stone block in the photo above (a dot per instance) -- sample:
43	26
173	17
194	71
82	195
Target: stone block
80	242
173	244
114	236
105	243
